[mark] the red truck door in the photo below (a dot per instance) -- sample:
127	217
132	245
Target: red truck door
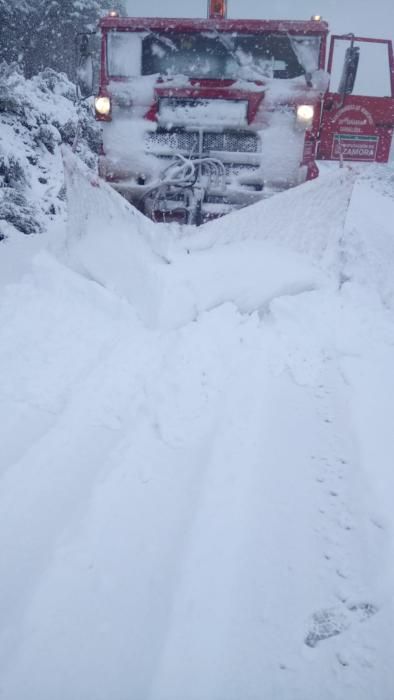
357	120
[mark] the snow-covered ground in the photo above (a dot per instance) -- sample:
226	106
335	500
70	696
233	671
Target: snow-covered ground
196	465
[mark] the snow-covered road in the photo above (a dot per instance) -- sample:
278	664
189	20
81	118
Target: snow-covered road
196	466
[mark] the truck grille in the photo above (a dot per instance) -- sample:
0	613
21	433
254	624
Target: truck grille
238	141
197	144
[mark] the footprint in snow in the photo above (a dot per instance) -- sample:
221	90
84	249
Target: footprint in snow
330	622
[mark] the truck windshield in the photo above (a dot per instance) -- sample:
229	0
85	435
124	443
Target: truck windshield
212	55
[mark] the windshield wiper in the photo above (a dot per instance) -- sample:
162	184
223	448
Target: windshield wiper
164	40
294	45
225	42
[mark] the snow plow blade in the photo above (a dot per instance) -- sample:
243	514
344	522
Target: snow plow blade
108	239
171	274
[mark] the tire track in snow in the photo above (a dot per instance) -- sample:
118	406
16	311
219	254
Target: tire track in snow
50	471
216	565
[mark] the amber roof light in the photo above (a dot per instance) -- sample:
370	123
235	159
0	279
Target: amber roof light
217	9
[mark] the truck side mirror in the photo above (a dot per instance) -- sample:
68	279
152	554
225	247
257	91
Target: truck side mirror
349	72
85	68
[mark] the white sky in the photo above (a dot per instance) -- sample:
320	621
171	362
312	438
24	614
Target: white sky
358	16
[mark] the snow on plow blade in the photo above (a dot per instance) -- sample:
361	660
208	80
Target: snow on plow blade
286	245
108	239
367	257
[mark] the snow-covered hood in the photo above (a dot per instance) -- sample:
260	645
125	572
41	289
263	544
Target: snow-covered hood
181	101
206	106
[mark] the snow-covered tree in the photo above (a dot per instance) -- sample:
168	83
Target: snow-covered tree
57	24
41	34
37	115
13	16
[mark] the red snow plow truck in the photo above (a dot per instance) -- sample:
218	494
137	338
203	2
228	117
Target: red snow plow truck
203	116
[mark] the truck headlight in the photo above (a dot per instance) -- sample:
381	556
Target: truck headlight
103	106
305	114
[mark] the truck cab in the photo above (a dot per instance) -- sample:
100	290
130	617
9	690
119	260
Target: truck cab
203	116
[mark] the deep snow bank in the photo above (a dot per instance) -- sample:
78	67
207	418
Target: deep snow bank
321	233
247	258
368	246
